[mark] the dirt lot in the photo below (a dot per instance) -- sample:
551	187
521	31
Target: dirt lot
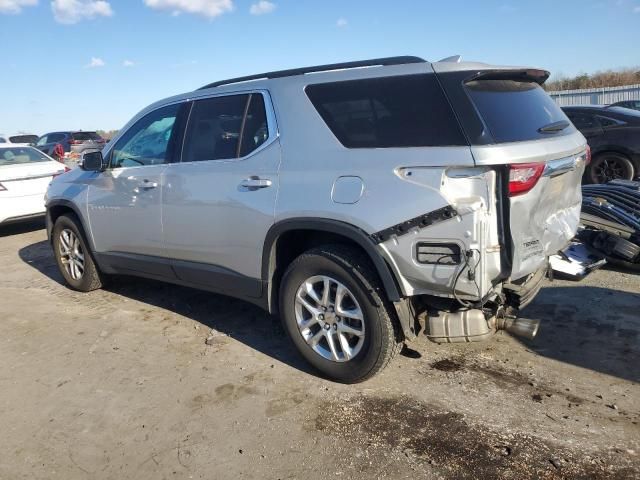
120	384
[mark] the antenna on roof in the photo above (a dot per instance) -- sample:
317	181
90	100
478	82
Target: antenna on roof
452	59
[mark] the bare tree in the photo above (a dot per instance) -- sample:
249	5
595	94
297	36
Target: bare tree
607	78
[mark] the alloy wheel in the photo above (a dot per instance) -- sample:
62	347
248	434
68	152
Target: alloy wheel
71	254
609	169
329	318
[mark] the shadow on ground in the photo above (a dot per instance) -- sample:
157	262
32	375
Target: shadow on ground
21	227
592	327
240	320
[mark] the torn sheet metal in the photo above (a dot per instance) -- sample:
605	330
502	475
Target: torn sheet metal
576	261
544	221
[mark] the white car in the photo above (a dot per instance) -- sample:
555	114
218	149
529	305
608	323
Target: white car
25	174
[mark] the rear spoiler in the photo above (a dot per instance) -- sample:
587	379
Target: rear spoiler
529	74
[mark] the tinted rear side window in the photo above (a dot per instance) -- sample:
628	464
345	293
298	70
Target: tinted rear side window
405	111
514	111
55	137
255	130
582	120
214	128
84	136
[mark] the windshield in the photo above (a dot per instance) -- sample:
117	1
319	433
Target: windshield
19	155
516	111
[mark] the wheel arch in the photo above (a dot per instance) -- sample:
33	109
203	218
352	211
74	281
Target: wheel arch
296	234
57	208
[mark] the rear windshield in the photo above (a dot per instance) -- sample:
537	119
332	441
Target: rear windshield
403	111
23	139
514	111
17	155
85	136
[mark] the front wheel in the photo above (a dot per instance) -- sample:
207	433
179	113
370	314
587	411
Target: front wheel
334	311
73	255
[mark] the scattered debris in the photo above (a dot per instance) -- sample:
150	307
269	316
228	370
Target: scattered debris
611	215
576	261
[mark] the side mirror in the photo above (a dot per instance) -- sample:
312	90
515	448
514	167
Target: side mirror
93	162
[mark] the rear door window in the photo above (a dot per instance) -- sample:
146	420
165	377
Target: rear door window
514	110
225	127
401	111
255	130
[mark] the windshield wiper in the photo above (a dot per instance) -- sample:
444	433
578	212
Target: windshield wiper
554	127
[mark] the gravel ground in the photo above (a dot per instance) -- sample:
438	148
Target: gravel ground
120	383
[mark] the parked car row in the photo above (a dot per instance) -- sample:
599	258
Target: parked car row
72	142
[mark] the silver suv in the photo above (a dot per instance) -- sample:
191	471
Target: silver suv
364	203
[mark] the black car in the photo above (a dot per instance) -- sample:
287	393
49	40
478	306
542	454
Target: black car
613	133
632	104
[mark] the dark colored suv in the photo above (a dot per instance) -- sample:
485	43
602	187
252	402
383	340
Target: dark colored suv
73	142
613	134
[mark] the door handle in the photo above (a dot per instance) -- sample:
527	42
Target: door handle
255	183
147	185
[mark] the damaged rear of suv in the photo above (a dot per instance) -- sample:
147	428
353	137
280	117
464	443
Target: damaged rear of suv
365	203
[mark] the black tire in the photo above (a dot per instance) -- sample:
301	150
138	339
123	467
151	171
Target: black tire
91	279
610	166
352	269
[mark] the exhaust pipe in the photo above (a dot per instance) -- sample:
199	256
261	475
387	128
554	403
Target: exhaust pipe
522	327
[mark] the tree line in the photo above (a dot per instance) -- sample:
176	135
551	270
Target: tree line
607	78
107	134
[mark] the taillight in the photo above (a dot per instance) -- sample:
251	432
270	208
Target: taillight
75	142
523	177
587	156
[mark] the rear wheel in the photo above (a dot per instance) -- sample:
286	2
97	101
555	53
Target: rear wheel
73	256
333	310
610	166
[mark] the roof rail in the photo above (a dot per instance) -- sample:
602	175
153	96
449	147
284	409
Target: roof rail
320	68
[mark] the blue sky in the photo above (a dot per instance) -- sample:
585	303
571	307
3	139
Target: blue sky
89	64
